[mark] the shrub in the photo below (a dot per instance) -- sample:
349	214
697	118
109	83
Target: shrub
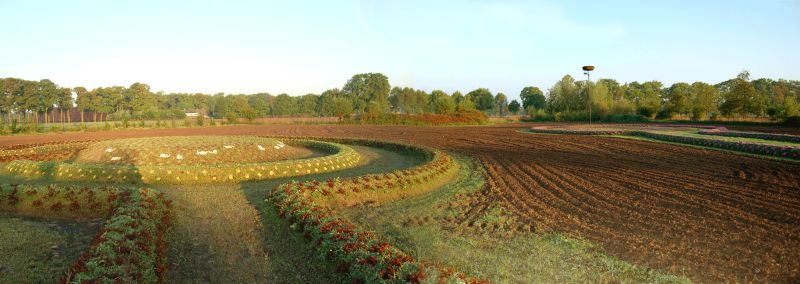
793	121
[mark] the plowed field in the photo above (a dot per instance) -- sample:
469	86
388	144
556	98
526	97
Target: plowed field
711	215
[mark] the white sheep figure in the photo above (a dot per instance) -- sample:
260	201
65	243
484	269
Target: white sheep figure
227	146
179	157
213	152
261	148
164	155
276	147
109	149
116	158
202	153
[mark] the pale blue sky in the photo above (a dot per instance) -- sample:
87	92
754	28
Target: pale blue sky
297	48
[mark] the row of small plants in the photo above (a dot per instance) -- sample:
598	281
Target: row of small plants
548	130
755	135
47	152
361	256
755	148
130	246
762	149
341	157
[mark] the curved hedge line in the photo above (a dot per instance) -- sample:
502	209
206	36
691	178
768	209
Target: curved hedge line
762	149
131	245
341	157
765	136
360	256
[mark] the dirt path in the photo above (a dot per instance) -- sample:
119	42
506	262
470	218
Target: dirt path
711	215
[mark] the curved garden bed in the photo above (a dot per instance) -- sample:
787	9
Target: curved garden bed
360	256
131	245
339	157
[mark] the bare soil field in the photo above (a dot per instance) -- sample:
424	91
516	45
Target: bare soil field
711	215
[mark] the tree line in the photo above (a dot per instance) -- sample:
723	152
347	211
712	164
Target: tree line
370	95
736	98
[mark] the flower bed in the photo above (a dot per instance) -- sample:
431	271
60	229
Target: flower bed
130	247
762	149
47	152
360	256
341	157
764	136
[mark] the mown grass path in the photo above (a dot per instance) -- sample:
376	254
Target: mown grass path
222	234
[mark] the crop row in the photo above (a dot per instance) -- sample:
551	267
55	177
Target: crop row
47	152
341	157
577	131
763	149
764	136
130	246
360	256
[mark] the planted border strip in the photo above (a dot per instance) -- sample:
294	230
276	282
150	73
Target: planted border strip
754	148
342	157
131	245
764	136
548	130
762	149
360	256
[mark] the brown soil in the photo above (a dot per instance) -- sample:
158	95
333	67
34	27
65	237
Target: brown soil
711	215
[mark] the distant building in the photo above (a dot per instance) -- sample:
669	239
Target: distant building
195	112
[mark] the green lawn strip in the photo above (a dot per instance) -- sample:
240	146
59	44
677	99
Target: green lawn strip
704	147
36	250
528	258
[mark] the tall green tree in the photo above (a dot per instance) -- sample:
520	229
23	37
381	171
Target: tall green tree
532	96
705	100
677	99
363	89
483	99
513	107
441	103
501	104
285	105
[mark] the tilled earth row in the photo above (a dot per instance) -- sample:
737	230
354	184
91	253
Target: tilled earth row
710	215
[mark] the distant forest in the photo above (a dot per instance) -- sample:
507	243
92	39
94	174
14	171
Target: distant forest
369	95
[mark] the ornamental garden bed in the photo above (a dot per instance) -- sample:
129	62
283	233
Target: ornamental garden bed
129	247
360	256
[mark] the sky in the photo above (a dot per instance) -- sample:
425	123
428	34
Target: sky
300	47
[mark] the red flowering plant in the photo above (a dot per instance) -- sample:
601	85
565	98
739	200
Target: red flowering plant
129	247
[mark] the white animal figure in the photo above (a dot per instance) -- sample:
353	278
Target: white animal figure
164	155
227	146
116	158
213	152
261	148
276	147
109	149
179	157
202	153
